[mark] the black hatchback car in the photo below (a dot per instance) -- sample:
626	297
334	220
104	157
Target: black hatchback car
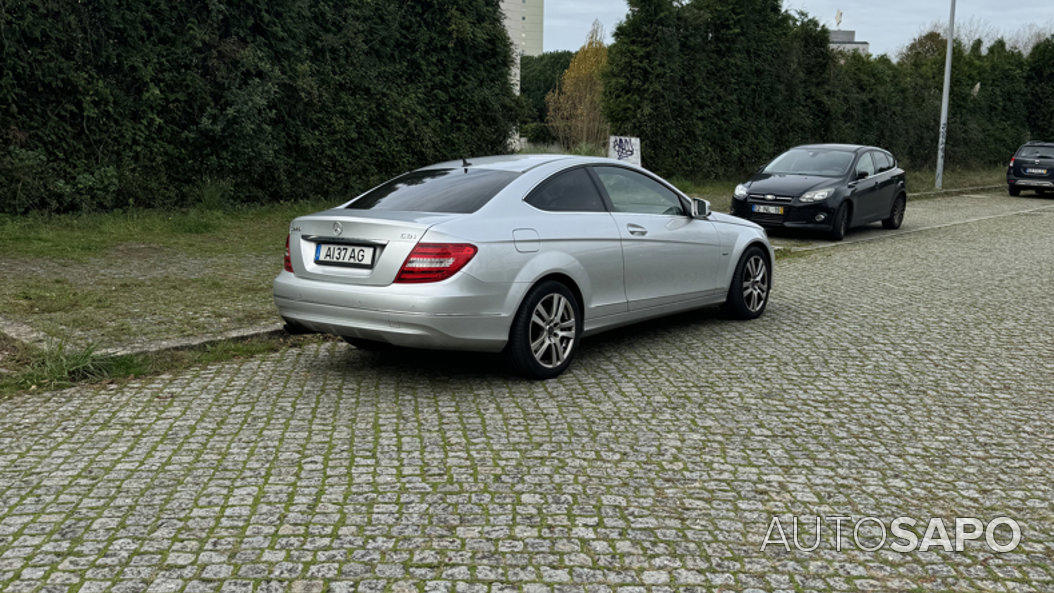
825	187
1031	168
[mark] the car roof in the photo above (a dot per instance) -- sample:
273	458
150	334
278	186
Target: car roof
506	162
521	163
1037	143
853	147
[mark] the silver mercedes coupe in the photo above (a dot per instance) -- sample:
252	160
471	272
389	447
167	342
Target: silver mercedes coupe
521	254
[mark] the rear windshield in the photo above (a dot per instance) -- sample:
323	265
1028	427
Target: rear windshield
802	161
1036	152
436	190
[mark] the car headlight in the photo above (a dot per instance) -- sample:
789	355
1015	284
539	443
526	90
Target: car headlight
741	191
817	196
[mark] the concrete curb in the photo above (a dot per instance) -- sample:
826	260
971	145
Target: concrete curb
25	334
272	329
21	332
949	192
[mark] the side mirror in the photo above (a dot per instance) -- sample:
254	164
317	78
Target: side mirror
700	208
861	175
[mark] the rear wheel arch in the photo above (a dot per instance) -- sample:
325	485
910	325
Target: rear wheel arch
567	281
526	350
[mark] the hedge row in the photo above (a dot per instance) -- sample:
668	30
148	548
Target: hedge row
716	87
107	104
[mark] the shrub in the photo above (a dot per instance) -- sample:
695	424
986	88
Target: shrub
537	133
113	104
1040	83
539	75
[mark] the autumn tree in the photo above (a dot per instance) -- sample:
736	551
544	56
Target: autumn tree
575	114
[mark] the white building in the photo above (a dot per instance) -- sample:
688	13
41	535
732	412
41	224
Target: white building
846	41
523	21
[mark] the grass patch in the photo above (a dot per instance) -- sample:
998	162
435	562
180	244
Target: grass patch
922	181
122	278
61	365
201	230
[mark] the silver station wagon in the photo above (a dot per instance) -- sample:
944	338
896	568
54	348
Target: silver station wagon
521	254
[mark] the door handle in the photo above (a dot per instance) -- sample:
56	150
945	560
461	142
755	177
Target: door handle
636	229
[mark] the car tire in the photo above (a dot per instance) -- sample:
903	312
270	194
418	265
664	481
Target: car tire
751	284
369	345
1014	191
545	332
840	223
896	214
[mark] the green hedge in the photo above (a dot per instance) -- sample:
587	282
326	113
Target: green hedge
717	87
538	76
1040	83
107	104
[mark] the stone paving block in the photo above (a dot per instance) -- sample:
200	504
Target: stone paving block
902	378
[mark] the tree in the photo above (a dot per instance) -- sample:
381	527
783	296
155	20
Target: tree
575	113
643	94
1040	83
540	75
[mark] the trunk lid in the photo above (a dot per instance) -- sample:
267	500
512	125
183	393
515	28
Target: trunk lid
1035	164
390	234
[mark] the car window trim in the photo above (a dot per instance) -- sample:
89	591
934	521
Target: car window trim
686	203
596	186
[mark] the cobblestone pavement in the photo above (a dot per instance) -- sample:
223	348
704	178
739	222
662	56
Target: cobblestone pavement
910	377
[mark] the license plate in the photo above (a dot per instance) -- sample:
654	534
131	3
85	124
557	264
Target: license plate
1036	171
348	255
763	209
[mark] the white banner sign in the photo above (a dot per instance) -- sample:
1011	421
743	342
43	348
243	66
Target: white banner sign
624	148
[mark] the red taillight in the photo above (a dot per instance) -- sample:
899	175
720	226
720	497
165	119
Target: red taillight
432	262
287	265
1011	162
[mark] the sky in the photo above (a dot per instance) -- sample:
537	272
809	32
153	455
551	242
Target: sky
887	24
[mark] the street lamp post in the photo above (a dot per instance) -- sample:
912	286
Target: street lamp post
944	99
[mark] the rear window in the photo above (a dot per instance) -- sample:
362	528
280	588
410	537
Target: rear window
1036	152
457	191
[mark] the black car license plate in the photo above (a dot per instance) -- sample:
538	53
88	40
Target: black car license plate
765	209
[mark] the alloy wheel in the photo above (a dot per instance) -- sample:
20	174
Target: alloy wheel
898	212
755	283
552	330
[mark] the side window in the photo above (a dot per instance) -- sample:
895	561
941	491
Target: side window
571	191
882	161
865	164
632	192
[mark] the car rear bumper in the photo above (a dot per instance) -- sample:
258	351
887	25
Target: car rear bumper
1029	182
461	313
795	216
